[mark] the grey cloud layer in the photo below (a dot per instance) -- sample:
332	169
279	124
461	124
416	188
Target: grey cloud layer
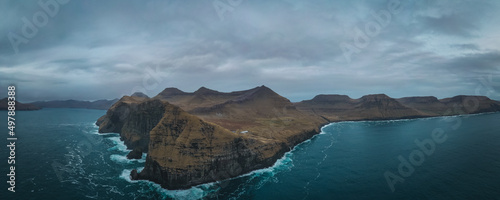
101	49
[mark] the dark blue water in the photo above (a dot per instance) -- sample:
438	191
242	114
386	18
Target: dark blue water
59	155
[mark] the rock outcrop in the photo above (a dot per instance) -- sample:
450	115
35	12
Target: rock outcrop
133	118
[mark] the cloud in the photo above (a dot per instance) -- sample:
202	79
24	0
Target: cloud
104	49
478	63
466	46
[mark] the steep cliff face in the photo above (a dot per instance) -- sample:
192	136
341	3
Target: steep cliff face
133	118
185	151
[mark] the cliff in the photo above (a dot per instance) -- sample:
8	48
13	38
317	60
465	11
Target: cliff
133	118
19	106
185	150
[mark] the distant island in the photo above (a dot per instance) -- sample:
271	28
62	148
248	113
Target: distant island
99	104
19	105
206	136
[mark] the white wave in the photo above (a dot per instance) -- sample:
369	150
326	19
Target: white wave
120	158
139	169
126	176
68	124
197	192
322	132
96	132
123	159
143	158
119	145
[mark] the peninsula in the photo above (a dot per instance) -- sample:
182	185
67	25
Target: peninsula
205	136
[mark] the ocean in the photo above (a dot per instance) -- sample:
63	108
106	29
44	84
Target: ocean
60	155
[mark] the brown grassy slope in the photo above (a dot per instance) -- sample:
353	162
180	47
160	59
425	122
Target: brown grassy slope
260	109
260	112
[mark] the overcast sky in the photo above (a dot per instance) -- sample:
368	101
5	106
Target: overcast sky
89	50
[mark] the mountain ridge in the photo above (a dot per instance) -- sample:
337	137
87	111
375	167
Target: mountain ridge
207	135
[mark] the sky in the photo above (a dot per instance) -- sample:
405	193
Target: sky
90	50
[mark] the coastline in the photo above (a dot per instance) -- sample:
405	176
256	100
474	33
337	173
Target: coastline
279	161
198	146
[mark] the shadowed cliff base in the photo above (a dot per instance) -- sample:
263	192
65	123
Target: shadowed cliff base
207	136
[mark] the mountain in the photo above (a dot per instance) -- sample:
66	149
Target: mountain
99	104
238	110
139	94
203	97
463	104
170	92
457	105
369	107
429	105
19	106
207	135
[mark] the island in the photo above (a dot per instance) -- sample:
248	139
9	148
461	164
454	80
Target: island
207	135
19	106
98	104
